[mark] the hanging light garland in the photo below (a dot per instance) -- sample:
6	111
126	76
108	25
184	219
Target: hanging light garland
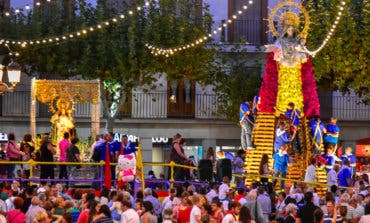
170	51
331	31
25	7
73	35
156	51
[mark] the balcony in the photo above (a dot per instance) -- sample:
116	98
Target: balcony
242	31
153	105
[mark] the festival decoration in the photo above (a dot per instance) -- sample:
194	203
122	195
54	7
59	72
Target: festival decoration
61	96
289	74
26	7
126	168
170	51
73	35
287	16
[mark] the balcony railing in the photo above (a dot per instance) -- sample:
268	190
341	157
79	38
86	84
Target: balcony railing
155	106
244	31
143	105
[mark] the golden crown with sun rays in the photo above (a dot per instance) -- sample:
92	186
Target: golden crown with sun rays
289	18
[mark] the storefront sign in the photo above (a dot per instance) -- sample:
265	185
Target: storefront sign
132	138
3	137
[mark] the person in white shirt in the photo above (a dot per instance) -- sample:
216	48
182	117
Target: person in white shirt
129	215
168	201
311	171
195	213
234	210
332	177
212	193
223	190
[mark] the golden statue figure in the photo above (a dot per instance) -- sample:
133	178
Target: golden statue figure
62	119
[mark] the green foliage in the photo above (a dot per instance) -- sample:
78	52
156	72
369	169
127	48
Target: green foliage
238	80
343	63
117	55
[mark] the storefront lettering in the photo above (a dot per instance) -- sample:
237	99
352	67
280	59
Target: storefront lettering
132	138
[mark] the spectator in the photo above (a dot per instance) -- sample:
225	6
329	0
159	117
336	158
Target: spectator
33	209
16	215
47	151
103	215
212	193
311	171
254	207
345	199
245	215
73	155
155	202
366	218
13	153
264	169
64	144
318	216
239	167
332	216
332	176
306	213
178	156
264	200
234	210
291	210
129	215
147	215
195	213
216	214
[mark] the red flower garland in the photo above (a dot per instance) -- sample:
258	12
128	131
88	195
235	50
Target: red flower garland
310	96
269	87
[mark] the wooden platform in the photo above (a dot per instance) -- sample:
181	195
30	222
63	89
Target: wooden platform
263	139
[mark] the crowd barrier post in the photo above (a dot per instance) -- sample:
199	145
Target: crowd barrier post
172	179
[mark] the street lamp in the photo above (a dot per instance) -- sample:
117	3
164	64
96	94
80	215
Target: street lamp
14	75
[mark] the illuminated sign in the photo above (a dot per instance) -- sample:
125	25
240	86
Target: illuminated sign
132	138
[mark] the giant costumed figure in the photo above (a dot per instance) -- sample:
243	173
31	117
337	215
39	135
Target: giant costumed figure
289	76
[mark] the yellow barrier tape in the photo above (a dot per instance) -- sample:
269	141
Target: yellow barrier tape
171	164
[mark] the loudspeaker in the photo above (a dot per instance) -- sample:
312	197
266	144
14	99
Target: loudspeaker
224	168
205	170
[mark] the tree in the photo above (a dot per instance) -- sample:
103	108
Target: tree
117	55
343	63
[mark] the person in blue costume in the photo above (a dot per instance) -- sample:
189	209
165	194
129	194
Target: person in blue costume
246	121
281	136
294	115
351	158
332	133
282	160
256	102
127	147
317	133
329	156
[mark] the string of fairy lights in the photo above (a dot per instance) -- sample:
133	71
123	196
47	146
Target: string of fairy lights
73	35
331	31
155	50
26	7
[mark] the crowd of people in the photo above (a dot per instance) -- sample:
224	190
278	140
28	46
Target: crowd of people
186	203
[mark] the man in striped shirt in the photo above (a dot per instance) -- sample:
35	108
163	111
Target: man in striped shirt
332	211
